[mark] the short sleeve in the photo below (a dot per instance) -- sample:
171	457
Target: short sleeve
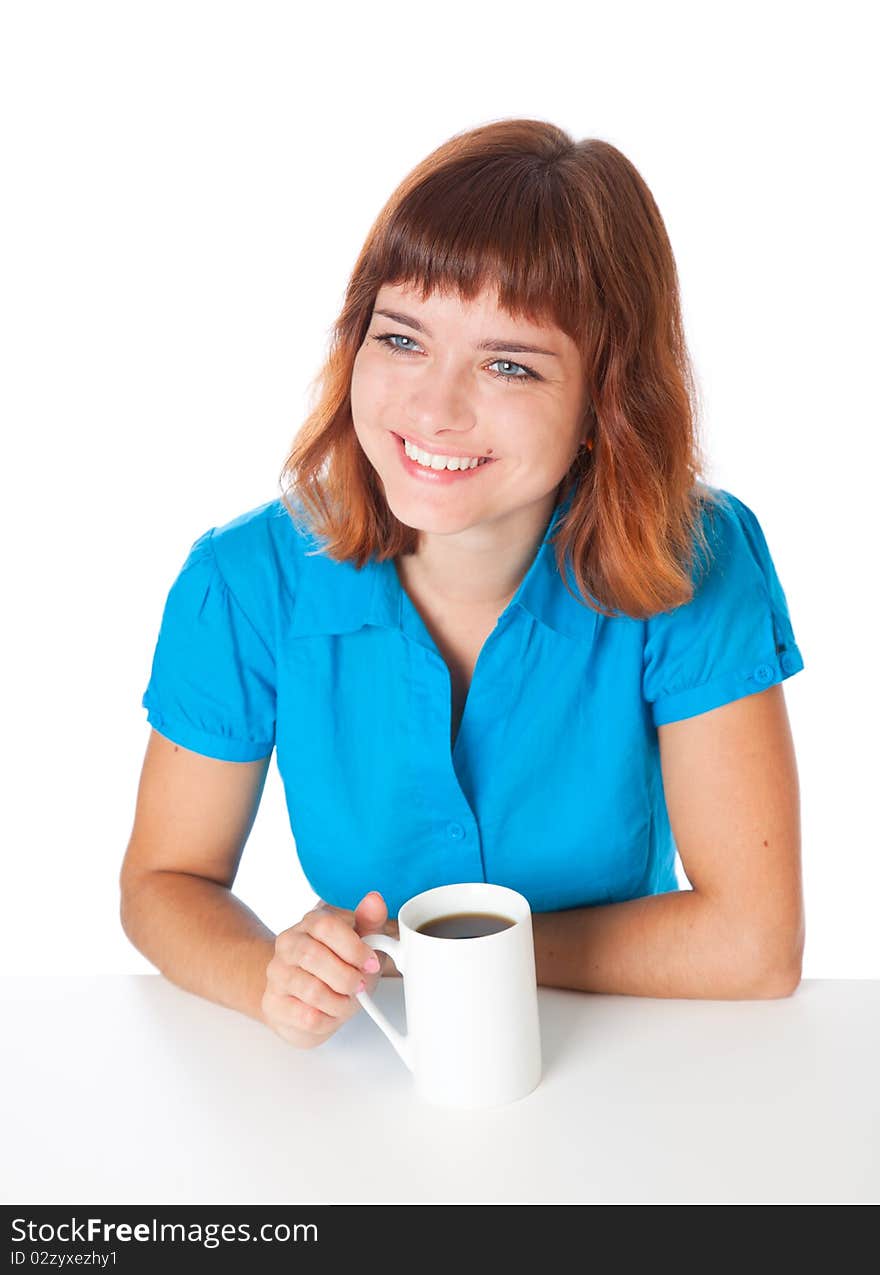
212	685
734	637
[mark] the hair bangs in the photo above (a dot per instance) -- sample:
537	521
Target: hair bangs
485	225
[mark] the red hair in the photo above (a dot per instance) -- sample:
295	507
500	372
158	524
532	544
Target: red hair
568	233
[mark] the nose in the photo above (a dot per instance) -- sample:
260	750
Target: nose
439	405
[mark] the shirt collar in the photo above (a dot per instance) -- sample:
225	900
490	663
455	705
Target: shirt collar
340	598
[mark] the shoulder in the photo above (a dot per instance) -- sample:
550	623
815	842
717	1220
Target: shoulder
245	536
257	555
735	635
730	556
737	547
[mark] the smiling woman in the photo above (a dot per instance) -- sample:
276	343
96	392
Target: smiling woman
497	627
508	241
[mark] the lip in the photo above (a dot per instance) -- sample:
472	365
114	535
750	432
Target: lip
435	450
437	476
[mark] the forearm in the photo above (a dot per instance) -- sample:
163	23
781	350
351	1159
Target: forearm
200	936
678	944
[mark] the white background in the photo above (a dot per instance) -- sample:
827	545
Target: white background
186	188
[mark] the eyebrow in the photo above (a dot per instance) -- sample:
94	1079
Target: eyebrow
498	347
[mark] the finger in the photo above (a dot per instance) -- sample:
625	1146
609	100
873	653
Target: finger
338	935
370	914
302	1016
324	906
343	979
313	992
341	940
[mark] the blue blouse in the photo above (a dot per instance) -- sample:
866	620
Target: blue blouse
554	785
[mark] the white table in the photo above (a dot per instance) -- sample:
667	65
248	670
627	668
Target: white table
127	1090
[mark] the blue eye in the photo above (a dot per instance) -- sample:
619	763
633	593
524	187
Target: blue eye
525	373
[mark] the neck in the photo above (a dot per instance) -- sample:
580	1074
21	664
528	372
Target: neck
481	567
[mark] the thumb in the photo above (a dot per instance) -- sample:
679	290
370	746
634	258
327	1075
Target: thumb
370	914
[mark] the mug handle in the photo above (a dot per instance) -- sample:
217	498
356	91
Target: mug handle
402	1043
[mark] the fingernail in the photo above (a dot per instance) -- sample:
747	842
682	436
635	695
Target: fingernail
361	987
371	964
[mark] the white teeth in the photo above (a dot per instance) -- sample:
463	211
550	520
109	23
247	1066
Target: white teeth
442	462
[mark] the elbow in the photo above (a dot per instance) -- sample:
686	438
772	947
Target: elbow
779	974
125	914
781	983
121	896
122	886
126	906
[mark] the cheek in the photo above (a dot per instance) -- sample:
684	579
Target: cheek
357	388
368	396
545	455
538	435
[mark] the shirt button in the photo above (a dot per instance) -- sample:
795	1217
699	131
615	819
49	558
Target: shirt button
763	673
455	831
789	660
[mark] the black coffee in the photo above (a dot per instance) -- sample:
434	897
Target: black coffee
465	925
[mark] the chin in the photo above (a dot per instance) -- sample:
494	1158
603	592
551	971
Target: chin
423	515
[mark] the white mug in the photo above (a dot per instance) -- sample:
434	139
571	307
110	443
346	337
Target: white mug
473	1035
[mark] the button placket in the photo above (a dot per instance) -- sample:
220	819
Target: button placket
447	811
476	682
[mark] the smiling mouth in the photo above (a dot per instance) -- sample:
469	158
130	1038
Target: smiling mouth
408	447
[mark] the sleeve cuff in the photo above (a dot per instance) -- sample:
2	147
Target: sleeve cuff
221	747
723	690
